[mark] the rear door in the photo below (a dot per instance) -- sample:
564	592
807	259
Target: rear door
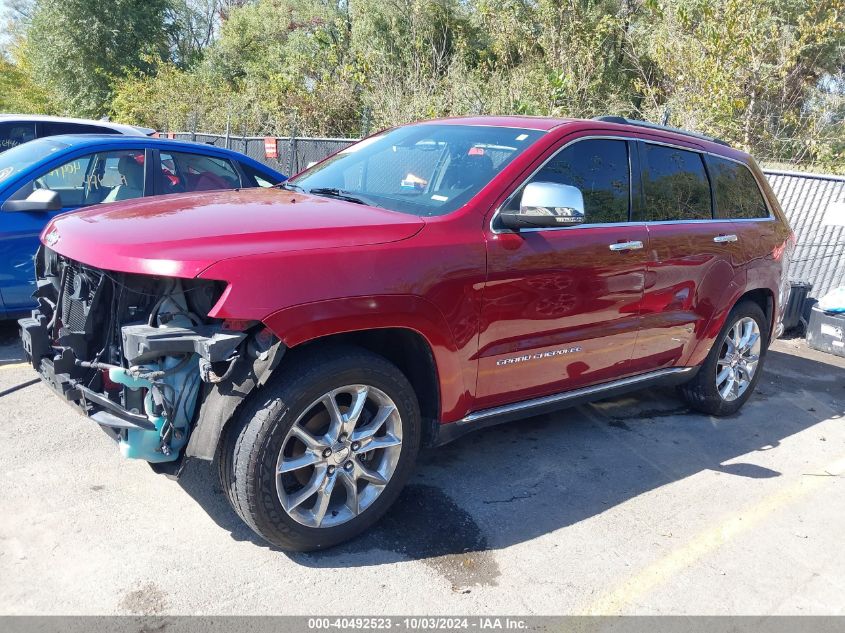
759	233
691	259
183	172
560	305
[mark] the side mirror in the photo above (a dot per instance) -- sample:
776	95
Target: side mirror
38	200
546	205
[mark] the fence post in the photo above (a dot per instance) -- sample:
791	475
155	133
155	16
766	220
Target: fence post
291	152
228	122
365	121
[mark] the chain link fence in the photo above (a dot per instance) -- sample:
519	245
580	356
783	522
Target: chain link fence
294	153
809	202
805	197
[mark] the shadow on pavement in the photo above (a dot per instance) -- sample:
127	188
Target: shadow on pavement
10	343
515	482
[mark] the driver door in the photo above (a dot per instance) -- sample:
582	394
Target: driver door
561	305
80	181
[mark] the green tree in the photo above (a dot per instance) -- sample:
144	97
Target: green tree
747	70
18	93
765	74
79	49
191	28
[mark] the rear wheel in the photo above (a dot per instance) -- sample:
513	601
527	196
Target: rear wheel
731	370
324	449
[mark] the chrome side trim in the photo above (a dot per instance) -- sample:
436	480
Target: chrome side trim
626	246
561	398
720	239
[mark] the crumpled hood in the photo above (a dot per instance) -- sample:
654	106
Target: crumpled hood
181	235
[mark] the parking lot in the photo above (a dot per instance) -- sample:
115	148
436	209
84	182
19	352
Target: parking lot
633	505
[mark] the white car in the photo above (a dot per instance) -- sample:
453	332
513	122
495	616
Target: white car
20	128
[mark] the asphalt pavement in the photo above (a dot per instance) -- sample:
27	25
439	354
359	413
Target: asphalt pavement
631	505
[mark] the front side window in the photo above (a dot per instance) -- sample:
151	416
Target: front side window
675	185
92	179
257	178
599	168
736	190
428	169
14	134
184	172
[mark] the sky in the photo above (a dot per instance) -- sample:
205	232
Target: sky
4	5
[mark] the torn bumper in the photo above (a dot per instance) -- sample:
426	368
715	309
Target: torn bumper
131	411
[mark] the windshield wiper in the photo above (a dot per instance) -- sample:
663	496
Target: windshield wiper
334	192
290	186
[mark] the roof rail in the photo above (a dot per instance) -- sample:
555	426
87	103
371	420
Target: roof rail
655	126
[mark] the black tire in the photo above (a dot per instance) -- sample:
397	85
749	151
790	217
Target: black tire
701	393
247	460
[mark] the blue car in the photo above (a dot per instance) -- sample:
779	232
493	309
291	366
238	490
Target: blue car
53	175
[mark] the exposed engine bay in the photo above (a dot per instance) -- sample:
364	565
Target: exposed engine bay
133	352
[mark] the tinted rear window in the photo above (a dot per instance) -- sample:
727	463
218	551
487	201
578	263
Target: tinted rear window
15	133
675	185
736	190
54	128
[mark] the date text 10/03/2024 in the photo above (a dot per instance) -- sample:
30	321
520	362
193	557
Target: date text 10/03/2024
419	623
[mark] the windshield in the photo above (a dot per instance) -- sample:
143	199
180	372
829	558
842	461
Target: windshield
17	159
425	169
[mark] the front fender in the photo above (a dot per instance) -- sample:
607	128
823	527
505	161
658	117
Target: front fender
306	322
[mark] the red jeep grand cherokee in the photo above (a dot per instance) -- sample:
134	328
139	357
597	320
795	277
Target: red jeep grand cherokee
428	281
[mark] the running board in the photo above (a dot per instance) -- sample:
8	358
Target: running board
497	415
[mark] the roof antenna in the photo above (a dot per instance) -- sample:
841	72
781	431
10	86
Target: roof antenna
664	120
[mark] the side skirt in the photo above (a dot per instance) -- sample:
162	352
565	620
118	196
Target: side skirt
526	408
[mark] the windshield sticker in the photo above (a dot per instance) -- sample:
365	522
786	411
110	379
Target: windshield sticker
521	137
439	198
5	172
413	182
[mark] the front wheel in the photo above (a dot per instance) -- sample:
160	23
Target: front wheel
323	450
731	370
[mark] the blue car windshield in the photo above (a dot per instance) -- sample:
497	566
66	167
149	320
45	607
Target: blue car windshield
21	157
427	169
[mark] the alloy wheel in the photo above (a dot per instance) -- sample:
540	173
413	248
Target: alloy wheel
738	360
339	456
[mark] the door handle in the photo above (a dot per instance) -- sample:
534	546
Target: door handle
626	246
724	238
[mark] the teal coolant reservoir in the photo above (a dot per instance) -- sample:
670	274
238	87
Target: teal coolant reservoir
180	392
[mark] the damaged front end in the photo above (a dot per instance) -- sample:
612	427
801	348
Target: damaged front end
135	353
